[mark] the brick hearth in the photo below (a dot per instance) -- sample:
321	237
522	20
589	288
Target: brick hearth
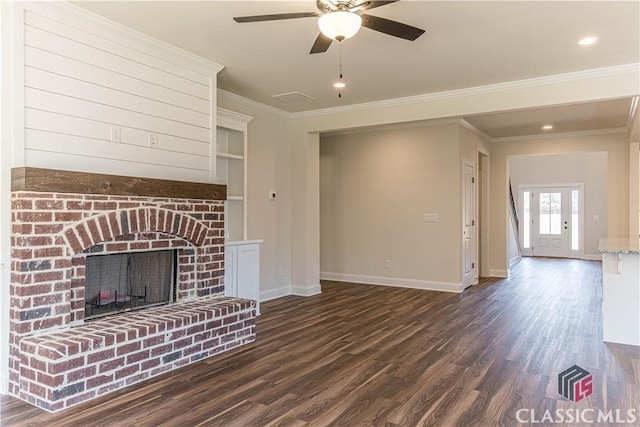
56	358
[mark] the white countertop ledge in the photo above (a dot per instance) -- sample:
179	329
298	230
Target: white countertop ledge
619	246
242	242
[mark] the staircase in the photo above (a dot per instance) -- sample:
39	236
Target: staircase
513	214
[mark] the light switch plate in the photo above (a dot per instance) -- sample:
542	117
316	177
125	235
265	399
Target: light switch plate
116	134
153	140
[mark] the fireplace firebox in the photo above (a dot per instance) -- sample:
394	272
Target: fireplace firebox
129	281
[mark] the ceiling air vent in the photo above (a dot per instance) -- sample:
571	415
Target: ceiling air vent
293	97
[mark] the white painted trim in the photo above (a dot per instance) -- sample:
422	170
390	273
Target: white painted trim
243	242
16	99
633	110
275	293
393	282
559	135
231	119
513	261
393	126
8	136
306	291
499	273
477	90
113	31
592	257
485	227
474	214
474	130
223	94
572	186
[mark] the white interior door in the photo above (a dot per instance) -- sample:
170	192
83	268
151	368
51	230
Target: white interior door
550	224
468	235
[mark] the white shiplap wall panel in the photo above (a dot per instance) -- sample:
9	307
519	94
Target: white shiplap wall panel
47	101
55	83
71	144
61	123
81	52
85	76
47	159
72	33
44	60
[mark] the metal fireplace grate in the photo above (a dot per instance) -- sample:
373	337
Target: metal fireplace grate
129	281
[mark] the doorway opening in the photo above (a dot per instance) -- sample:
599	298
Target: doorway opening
552	220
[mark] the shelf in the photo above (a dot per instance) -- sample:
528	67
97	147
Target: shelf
231	169
229	156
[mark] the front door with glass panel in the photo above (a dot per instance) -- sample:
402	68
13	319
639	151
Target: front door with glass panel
551	221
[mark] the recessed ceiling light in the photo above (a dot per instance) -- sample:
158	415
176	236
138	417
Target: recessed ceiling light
587	41
339	85
547	127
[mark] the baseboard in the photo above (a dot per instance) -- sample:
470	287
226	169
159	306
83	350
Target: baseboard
393	281
306	291
499	273
592	257
275	293
513	261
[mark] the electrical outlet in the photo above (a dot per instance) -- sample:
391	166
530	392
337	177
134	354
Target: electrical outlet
153	140
387	263
116	134
272	195
431	218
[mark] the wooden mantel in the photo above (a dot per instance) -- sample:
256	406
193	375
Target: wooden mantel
51	180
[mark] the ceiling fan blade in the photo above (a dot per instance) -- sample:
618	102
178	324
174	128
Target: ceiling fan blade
321	44
393	28
275	17
373	4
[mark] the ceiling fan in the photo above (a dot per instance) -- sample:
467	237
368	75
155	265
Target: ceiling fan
341	19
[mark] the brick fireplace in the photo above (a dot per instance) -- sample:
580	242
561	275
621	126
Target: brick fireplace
59	359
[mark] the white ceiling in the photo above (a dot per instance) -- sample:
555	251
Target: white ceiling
466	44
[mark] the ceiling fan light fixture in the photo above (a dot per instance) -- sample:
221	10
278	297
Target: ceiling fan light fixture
339	24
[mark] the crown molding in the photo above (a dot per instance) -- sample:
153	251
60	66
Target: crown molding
494	88
233	115
477	90
559	135
474	130
393	126
253	104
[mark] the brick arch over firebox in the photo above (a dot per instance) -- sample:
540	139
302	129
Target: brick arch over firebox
99	228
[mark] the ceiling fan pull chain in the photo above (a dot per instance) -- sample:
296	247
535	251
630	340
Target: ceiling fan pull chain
340	70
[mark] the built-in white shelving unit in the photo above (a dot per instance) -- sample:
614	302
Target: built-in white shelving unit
231	170
242	256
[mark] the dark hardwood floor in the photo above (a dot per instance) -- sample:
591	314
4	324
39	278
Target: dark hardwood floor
361	355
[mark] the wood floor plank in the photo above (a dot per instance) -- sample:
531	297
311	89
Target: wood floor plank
361	355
